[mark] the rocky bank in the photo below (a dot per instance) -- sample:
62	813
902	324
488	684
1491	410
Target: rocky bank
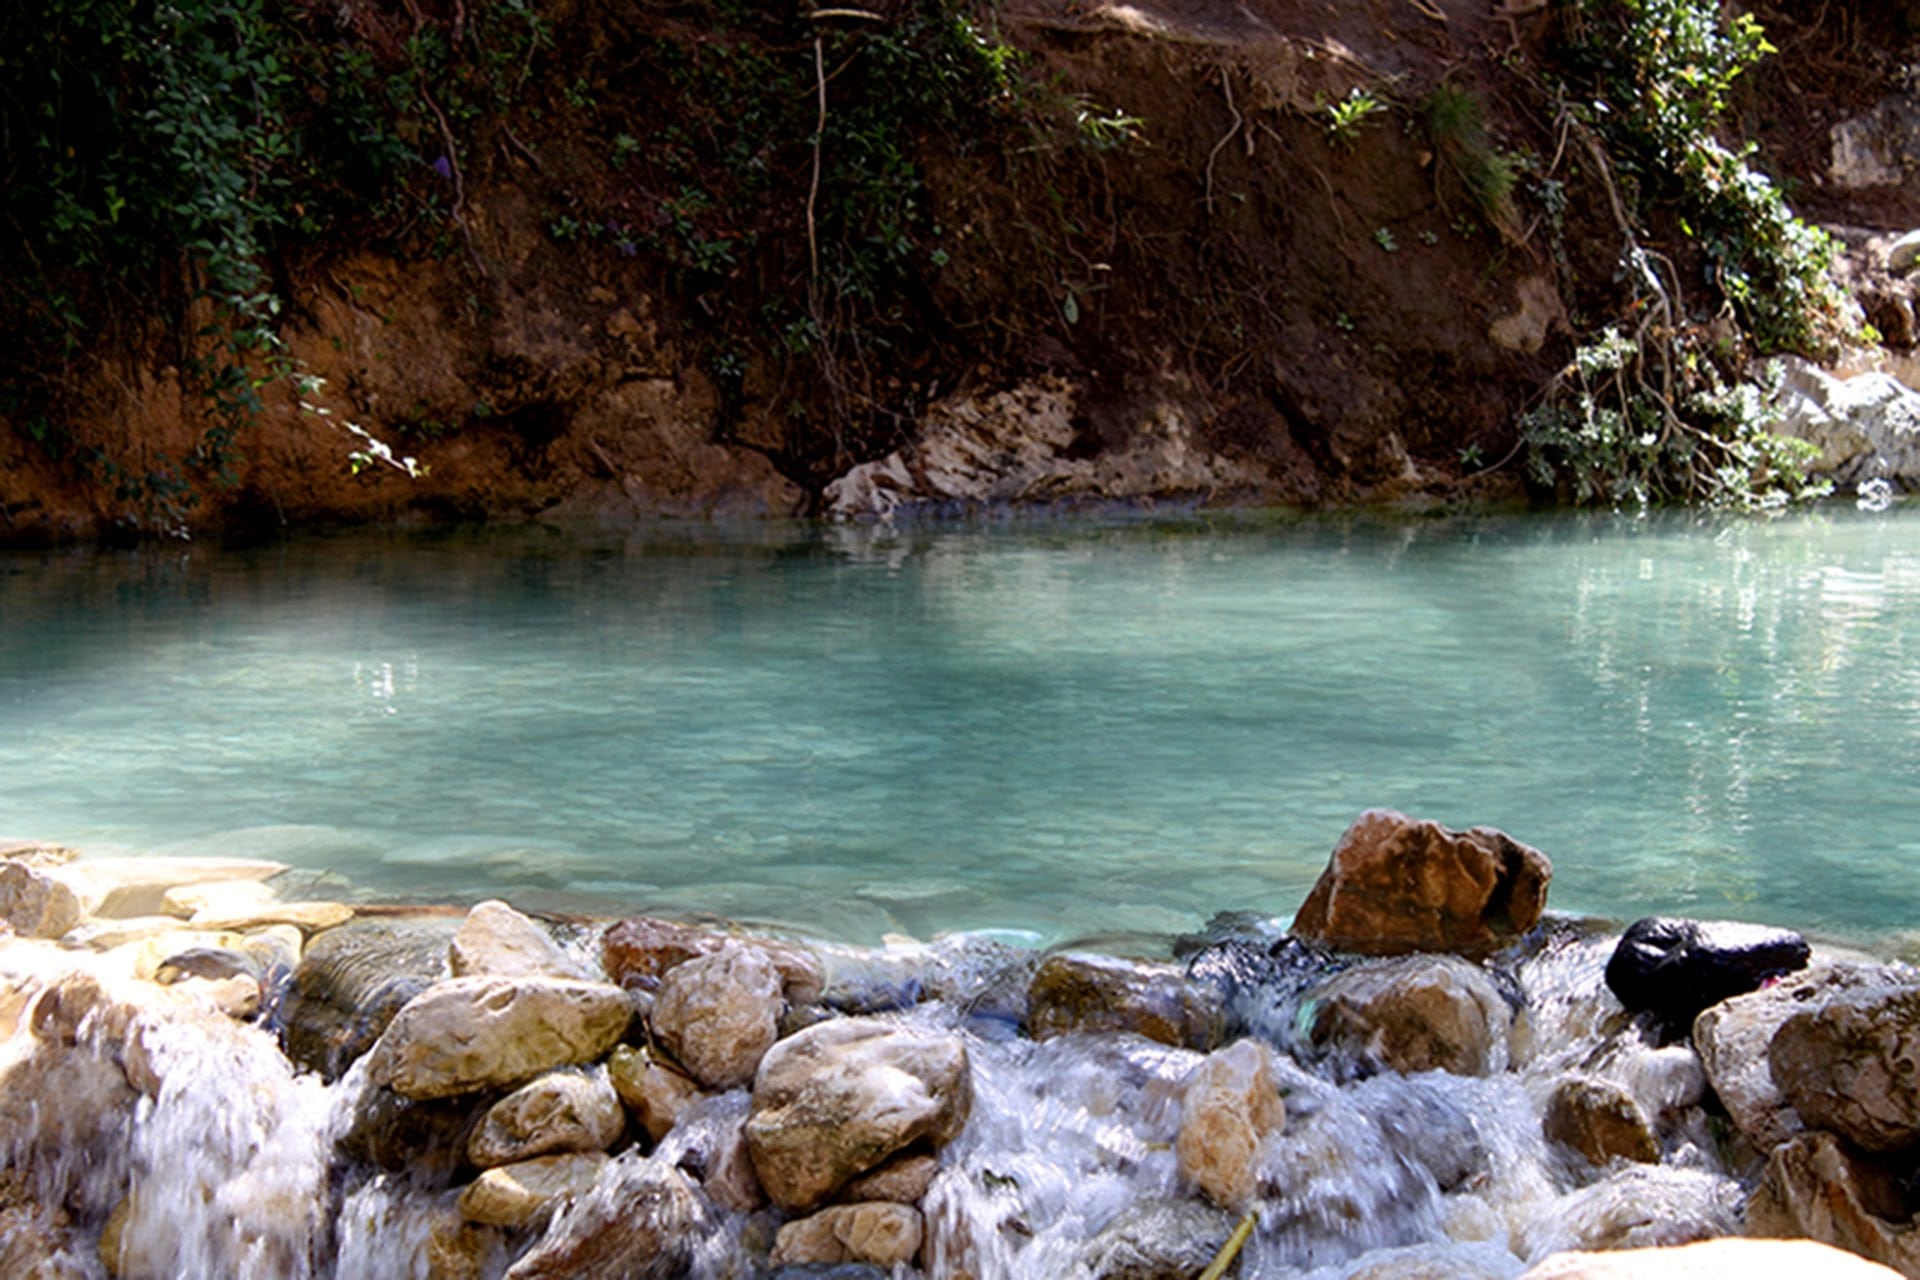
1425	1076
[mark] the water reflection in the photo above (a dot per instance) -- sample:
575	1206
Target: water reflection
1066	726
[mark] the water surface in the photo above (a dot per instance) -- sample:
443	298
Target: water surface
1070	728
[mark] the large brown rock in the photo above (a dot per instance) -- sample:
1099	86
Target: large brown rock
1417	1013
1814	1187
718	1014
880	1234
842	1097
465	1034
638	952
1074	992
1396	885
1733	1037
640	1223
1747	1259
1851	1064
1231	1106
559	1112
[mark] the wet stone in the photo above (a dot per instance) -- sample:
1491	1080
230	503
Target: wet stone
639	1223
1418	1013
654	1093
1674	969
1159	1240
718	1014
466	1034
496	939
1600	1120
1851	1064
882	1234
1815	1187
1231	1105
353	980
565	1111
1091	993
518	1195
35	904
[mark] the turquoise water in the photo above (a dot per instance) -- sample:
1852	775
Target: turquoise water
1071	728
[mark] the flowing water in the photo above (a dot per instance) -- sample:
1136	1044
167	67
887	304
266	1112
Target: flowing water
1070	729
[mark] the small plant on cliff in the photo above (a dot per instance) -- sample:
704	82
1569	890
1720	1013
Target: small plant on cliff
1347	117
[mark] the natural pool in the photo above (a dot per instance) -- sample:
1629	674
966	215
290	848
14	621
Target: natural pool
1068	727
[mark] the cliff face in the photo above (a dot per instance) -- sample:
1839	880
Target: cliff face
1177	250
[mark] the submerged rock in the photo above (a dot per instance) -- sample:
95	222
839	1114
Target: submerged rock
1814	1187
1086	993
353	980
465	1034
1851	1064
1600	1120
1674	969
880	1233
1159	1240
1417	1013
1395	885
564	1111
1231	1105
842	1097
718	1014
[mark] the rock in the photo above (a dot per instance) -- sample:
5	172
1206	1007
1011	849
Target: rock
34	903
727	1174
1231	1105
1159	1240
841	1098
518	1195
903	1180
37	853
1748	1259
881	1233
640	1222
495	939
1877	149
564	1111
1395	885
351	982
1083	993
1903	253
655	1093
424	1139
1417	1013
1866	427
1851	1064
122	887
1640	1206
1021	445
1732	1038
638	952
188	900
1600	1120
464	1034
208	963
309	916
717	1014
461	1250
1674	969
1537	312
1813	1187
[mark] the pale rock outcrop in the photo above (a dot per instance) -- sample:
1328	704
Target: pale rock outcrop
563	1111
1073	992
1231	1105
1601	1120
1747	1259
1851	1064
1021	446
520	1194
1395	885
495	939
1866	427
1415	1013
1814	1187
653	1092
1732	1039
840	1098
880	1234
719	1013
640	1222
122	887
465	1034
